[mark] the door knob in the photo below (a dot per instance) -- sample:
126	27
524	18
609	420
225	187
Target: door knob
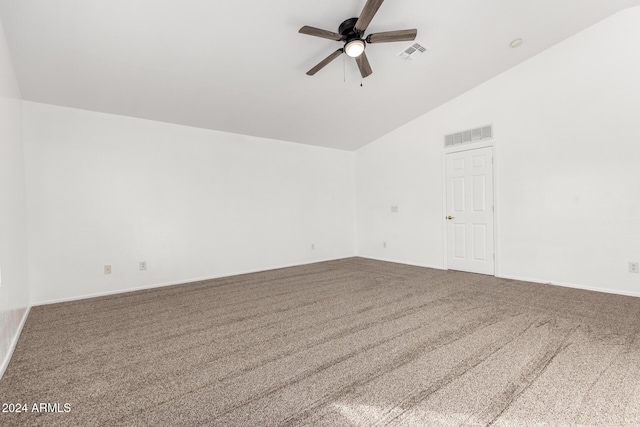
449	217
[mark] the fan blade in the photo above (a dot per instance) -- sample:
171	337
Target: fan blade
312	31
368	12
392	36
363	65
324	62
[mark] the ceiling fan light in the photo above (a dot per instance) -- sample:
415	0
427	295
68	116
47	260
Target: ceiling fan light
354	48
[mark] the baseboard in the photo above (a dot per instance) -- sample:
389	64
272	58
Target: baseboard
401	262
179	282
14	342
520	278
198	279
571	285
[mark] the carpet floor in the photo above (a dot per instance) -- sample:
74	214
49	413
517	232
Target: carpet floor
352	342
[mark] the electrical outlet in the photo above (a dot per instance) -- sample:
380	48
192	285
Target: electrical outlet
313	246
143	265
634	267
107	269
384	245
394	209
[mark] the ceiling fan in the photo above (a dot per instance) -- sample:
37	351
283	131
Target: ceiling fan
351	32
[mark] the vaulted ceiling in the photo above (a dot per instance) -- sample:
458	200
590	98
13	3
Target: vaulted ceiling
239	66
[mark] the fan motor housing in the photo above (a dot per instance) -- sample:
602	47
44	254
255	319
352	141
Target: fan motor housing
347	29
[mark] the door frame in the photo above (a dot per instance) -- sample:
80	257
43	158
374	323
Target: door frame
470	147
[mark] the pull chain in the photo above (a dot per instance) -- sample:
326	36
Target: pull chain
344	69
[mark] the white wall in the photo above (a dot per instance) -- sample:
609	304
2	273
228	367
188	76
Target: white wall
14	292
192	203
567	126
195	203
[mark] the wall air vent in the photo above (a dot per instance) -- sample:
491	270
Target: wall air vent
471	135
413	51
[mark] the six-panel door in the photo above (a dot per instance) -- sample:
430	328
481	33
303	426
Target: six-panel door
469	180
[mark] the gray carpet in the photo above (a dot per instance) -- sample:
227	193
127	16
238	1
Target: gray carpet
353	342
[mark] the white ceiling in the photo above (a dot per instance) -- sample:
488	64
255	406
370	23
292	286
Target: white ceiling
239	66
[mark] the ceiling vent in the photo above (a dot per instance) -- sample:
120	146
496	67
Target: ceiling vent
413	51
467	136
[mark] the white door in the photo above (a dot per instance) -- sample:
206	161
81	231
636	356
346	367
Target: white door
469	215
